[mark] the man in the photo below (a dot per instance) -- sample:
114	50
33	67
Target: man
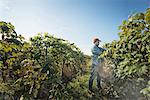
96	51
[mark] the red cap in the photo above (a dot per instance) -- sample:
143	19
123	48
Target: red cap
96	39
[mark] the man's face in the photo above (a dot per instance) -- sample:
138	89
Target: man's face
97	43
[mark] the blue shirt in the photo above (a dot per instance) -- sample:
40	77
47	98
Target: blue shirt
96	51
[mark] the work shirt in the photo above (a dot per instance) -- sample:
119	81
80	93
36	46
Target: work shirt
96	51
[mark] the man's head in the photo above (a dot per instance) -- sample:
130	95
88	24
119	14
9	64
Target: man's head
96	41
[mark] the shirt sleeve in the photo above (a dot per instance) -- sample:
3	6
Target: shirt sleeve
96	51
103	49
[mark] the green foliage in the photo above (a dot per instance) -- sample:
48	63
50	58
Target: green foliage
131	53
26	68
146	91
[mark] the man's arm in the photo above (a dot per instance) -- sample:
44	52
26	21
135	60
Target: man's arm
103	49
96	51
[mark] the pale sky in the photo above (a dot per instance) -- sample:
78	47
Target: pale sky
75	20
